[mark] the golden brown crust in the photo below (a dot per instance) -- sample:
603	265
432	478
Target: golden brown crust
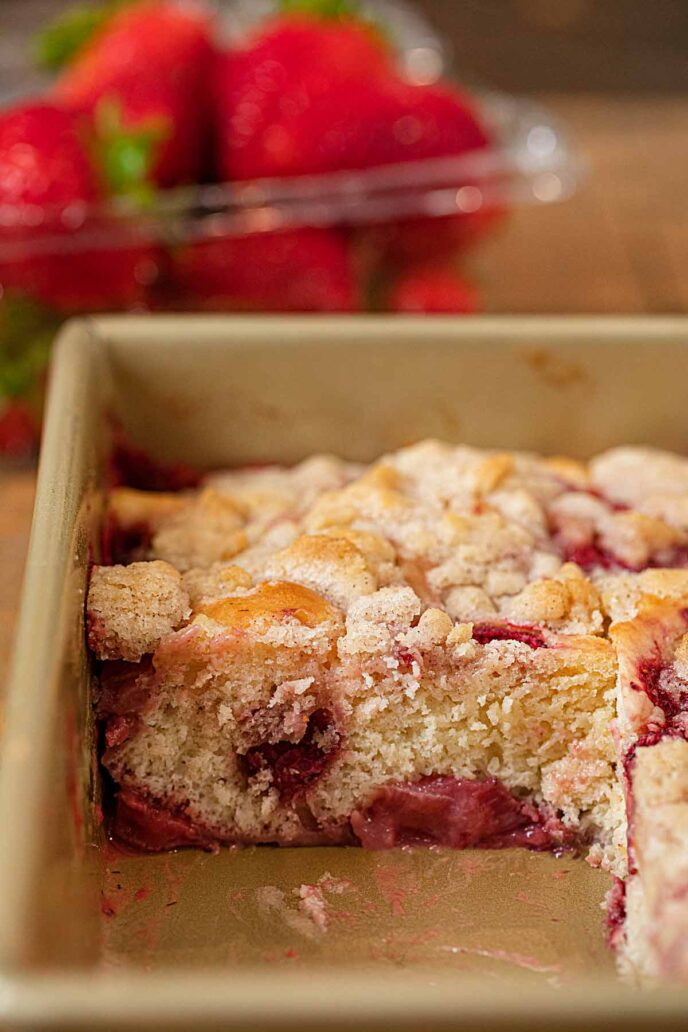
623	595
215	582
332	565
132	508
209	530
272	600
569	603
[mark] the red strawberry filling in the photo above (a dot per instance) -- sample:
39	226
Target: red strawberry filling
615	912
406	658
486	632
295	766
660	682
592	556
144	824
123	545
651	680
456	812
118	729
124	688
132	466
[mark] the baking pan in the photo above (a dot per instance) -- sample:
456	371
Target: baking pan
91	938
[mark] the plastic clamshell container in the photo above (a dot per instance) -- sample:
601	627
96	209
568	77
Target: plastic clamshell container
530	162
92	938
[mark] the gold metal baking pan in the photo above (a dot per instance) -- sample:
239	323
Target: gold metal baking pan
93	939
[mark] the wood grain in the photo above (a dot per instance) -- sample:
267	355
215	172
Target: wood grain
621	245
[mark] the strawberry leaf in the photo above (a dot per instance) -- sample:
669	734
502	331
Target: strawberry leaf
26	333
125	155
60	41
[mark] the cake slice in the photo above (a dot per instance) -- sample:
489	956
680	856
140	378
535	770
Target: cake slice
417	651
274	716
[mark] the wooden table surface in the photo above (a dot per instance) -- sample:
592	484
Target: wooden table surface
621	245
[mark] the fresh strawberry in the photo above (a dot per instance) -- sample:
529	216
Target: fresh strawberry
94	278
305	270
153	62
310	95
434	290
371	124
48	185
266	86
43	161
317	96
384	123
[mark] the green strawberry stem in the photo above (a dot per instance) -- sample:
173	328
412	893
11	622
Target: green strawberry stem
325	9
60	41
125	155
338	11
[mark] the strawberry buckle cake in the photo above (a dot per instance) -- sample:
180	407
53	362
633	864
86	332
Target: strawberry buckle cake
448	646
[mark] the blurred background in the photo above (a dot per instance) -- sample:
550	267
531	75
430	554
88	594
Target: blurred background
621	46
616	73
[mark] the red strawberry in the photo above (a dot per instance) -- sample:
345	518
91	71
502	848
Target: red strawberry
305	270
308	97
42	159
94	279
373	123
433	290
154	61
386	123
47	184
274	79
407	243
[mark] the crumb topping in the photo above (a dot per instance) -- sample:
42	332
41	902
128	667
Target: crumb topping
444	612
132	608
